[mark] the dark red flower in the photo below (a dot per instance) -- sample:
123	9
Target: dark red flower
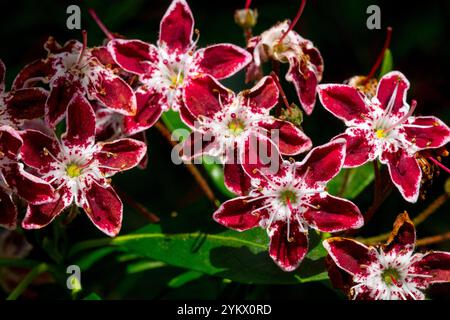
224	122
288	202
305	61
76	69
164	70
389	272
382	127
79	169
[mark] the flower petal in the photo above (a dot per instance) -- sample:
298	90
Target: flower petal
289	139
427	132
221	60
333	214
261	159
62	91
239	214
359	149
8	211
32	189
322	163
287	253
405	173
116	94
344	102
235	178
305	83
36	71
10	142
386	88
37	150
201	96
120	155
149	110
177	26
349	255
403	237
104	208
197	144
435	264
262	97
134	56
40	216
26	104
80	123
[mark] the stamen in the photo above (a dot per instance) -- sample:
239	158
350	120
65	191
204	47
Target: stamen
294	22
100	24
48	153
387	42
265	177
440	165
405	117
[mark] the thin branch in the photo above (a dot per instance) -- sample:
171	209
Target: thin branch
140	208
432	240
201	181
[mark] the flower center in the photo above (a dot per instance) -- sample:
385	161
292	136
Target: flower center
380	133
73	170
236	126
177	78
390	276
288	196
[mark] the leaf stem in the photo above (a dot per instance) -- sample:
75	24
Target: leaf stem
23	285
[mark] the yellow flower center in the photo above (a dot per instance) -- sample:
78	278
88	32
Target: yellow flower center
177	79
73	170
380	133
236	126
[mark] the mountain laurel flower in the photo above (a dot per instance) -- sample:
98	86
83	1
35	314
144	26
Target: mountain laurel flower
165	69
79	169
382	127
284	45
291	200
76	69
223	122
18	106
15	180
387	272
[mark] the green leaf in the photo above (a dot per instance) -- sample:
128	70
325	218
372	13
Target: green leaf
92	296
93	257
349	183
184	278
388	63
241	257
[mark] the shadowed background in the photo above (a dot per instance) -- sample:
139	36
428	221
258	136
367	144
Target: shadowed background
420	50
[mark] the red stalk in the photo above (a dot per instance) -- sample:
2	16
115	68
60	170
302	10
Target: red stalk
294	22
100	24
380	57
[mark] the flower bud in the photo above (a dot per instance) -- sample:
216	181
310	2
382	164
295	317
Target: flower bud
246	18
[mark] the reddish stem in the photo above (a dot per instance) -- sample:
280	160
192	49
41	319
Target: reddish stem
84	34
294	22
97	20
140	208
440	165
247	4
280	88
377	64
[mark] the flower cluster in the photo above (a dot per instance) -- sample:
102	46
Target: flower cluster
105	97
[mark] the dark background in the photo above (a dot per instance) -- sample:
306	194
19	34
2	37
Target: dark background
338	28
